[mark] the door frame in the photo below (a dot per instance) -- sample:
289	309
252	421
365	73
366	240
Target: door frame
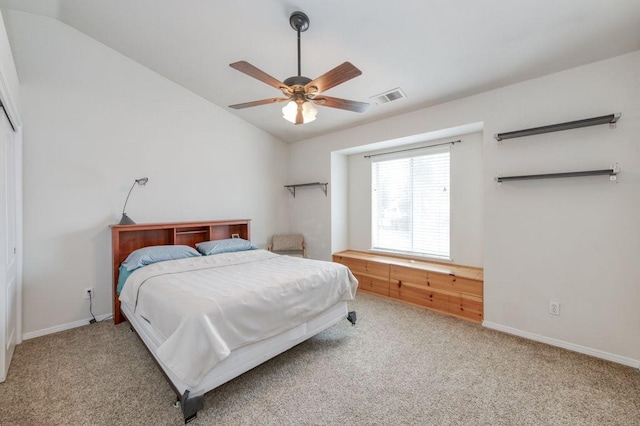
10	109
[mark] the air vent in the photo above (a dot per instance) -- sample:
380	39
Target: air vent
390	96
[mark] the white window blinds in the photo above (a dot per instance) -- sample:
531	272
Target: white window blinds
410	202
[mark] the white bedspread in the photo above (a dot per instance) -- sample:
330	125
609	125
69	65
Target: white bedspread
207	306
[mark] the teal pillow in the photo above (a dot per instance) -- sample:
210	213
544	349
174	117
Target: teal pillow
225	246
148	255
123	274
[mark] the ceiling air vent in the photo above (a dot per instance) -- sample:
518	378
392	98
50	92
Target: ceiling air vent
390	96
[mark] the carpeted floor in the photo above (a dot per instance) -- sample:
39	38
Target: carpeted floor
400	365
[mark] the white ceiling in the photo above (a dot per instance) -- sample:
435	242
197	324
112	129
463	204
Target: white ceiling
435	50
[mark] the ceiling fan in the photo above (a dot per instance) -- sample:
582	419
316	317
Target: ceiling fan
300	91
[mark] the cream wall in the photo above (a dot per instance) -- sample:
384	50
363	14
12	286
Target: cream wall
572	240
94	121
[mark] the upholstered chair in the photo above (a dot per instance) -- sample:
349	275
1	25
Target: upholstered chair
289	244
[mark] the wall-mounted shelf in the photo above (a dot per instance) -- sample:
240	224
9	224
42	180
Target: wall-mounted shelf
612	172
610	119
321	185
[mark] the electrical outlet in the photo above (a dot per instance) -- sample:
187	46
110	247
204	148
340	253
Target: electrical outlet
554	308
88	293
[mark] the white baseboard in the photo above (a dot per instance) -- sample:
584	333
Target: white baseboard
62	327
565	345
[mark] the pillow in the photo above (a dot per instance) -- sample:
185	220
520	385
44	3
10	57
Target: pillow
148	255
123	274
225	246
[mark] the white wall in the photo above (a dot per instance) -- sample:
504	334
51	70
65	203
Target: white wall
8	66
340	196
95	121
573	240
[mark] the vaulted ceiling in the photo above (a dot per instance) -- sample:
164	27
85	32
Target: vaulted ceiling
434	50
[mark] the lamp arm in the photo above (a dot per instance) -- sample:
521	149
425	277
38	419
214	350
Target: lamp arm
127	200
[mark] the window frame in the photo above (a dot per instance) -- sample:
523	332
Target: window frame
443	253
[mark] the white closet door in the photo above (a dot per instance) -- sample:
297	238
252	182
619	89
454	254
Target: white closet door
8	257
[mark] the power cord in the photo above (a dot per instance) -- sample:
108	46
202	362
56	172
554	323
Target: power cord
93	319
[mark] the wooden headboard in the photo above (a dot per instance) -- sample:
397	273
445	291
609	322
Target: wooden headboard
127	238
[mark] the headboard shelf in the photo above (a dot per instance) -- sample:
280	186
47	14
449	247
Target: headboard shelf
127	238
193	231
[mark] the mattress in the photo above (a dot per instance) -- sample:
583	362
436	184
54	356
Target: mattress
200	310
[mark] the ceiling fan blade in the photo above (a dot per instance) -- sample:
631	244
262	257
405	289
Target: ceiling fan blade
257	103
250	70
336	76
341	103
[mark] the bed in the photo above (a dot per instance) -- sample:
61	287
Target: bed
208	315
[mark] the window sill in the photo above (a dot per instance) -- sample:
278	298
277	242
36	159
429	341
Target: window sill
410	256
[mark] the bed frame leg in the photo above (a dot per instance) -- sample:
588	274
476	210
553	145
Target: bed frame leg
190	406
351	317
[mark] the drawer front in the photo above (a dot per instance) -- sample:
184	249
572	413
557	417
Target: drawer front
464	285
366	267
423	296
355	265
411	275
372	284
375	268
471	308
453	283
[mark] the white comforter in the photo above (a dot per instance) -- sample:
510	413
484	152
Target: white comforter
205	307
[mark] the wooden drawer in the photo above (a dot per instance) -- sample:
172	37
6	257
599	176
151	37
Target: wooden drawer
372	284
471	307
400	273
465	285
453	283
366	267
422	295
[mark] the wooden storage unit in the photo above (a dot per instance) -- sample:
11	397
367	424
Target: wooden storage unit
448	288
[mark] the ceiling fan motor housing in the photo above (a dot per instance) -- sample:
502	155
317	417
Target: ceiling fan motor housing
295	87
297	80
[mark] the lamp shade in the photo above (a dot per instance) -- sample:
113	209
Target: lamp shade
126	220
290	111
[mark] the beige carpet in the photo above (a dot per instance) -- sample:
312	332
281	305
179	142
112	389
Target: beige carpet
399	365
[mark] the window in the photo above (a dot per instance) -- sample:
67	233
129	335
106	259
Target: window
410	203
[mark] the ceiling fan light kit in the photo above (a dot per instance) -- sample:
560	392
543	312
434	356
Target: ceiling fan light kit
302	92
290	112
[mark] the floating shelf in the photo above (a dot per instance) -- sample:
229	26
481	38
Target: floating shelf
612	172
321	185
611	119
